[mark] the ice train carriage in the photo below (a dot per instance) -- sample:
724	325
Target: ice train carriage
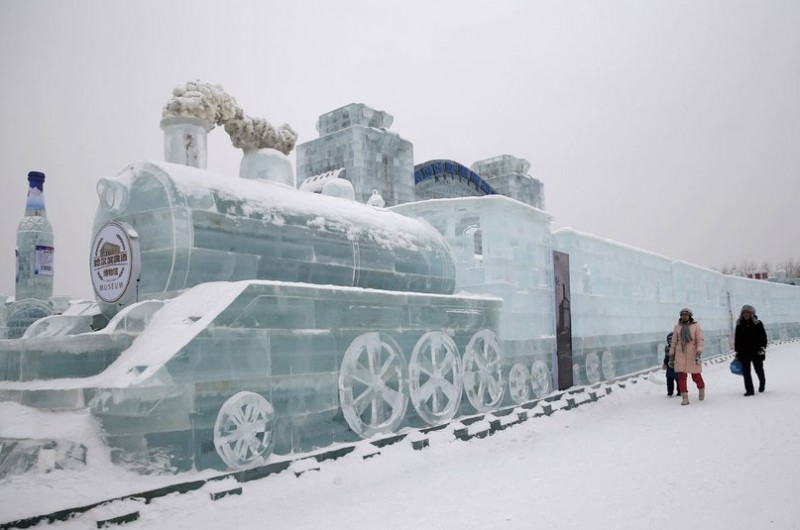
624	300
296	321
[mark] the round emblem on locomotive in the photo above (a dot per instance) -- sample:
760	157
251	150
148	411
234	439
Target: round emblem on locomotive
114	262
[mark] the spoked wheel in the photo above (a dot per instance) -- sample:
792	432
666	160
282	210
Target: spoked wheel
434	378
592	367
243	430
541	380
607	361
518	388
483	375
372	385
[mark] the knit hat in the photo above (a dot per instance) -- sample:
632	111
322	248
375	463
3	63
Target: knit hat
750	308
687	310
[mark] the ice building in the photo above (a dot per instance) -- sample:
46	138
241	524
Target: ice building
355	144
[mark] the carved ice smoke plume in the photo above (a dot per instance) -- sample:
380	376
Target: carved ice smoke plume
212	104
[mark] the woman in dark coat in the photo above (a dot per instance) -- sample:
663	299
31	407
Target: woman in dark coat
750	343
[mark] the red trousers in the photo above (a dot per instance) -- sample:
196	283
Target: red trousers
697	378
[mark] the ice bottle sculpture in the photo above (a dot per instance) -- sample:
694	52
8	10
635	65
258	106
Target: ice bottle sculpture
35	245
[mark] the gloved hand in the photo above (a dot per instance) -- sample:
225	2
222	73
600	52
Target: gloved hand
697	357
671	362
762	351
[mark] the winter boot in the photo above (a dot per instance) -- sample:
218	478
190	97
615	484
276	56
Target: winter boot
684	398
702	392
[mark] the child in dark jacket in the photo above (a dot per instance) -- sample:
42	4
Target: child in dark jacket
672	377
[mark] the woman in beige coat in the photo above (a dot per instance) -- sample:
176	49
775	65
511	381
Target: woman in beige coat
685	354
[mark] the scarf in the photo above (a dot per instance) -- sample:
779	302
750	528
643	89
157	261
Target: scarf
686	338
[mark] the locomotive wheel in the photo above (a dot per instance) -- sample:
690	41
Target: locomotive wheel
592	367
372	385
607	361
434	378
518	387
541	381
483	374
243	430
576	374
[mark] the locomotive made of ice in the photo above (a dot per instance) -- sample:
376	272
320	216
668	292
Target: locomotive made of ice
290	321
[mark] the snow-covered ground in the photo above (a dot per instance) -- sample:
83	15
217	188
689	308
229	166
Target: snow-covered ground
635	459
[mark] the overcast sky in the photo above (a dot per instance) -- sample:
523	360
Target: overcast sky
673	126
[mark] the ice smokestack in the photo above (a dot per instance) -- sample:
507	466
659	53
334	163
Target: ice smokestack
186	140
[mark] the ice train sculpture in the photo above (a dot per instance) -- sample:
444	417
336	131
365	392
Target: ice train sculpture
354	318
239	318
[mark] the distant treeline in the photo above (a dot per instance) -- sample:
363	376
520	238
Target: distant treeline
788	269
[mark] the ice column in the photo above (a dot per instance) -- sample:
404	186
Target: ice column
35	245
185	140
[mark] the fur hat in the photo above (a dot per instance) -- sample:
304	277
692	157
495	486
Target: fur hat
753	317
